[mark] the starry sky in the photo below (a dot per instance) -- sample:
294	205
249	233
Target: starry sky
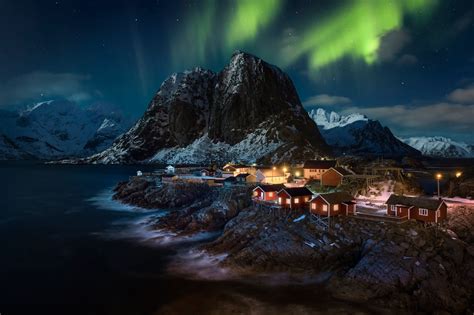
407	63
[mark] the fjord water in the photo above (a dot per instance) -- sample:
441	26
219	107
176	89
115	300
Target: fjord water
57	255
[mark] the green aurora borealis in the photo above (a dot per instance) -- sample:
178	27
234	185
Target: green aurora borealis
350	29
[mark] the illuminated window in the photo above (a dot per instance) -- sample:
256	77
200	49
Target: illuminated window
423	212
325	208
297	200
270	194
288	200
279	200
306	199
336	207
255	193
313	206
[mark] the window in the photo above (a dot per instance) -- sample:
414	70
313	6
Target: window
270	194
336	207
306	199
325	208
288	200
279	200
438	213
313	206
297	200
255	193
423	212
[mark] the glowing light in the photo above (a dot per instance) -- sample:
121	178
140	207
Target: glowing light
439	176
274	168
354	30
249	18
458	174
285	170
297	174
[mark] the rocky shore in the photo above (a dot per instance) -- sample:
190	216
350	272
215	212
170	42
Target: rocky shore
402	266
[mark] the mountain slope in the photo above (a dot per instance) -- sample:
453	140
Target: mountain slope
355	134
250	111
58	129
440	147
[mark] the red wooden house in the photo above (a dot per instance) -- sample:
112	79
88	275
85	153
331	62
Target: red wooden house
267	192
333	177
417	208
332	204
294	198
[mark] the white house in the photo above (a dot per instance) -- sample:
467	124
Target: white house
170	169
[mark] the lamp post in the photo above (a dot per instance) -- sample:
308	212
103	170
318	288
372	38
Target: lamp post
438	178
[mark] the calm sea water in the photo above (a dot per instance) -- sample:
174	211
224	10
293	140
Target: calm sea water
58	255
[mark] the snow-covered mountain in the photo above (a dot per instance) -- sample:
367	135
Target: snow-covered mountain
57	129
440	147
355	134
250	111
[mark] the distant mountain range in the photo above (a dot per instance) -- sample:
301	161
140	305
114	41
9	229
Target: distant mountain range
59	129
355	134
248	112
441	147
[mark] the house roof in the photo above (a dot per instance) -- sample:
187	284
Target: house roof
230	179
336	197
427	203
297	191
319	164
275	187
342	171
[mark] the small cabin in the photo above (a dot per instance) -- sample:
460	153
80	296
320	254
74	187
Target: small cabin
170	169
267	192
332	204
294	198
269	175
334	176
246	178
313	169
237	169
422	209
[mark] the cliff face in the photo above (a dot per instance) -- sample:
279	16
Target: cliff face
249	112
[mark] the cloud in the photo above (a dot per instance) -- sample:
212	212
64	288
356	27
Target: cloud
40	85
326	99
464	96
392	43
443	116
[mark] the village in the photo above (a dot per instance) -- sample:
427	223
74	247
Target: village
321	189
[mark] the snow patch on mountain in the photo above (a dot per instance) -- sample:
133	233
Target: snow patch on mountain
355	134
440	147
204	149
56	129
334	120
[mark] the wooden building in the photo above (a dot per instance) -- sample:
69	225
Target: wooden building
267	192
294	198
313	169
246	178
237	169
334	176
417	208
332	204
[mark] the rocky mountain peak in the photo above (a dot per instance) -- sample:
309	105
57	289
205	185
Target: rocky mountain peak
248	111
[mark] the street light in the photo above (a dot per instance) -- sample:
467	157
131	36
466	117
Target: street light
438	178
458	174
297	174
285	170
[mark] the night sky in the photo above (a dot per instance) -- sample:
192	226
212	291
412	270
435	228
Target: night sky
408	63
